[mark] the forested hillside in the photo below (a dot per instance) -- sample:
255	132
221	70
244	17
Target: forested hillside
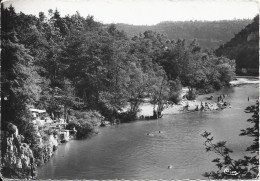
210	34
79	69
82	64
244	48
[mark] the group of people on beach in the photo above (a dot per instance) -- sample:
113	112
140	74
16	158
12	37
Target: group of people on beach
207	106
221	98
221	103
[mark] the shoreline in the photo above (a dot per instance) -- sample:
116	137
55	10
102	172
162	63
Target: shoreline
169	123
146	109
241	80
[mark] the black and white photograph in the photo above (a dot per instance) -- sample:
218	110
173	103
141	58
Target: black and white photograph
129	89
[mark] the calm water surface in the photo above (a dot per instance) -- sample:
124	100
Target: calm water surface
126	152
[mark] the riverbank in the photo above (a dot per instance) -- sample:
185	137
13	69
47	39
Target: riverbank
127	152
146	109
240	80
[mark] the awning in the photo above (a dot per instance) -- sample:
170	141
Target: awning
37	110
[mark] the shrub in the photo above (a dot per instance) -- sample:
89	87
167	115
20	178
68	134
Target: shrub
84	122
127	116
175	91
84	127
175	97
191	95
217	84
243	168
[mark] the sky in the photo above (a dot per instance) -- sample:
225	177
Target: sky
143	12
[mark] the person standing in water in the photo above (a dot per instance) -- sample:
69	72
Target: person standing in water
248	98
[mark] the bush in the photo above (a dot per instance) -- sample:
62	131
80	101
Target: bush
226	73
85	123
243	168
217	84
206	90
191	95
84	127
175	97
127	116
175	91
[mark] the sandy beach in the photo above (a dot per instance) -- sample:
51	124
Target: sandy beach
244	80
146	109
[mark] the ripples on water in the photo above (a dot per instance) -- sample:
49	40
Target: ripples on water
127	152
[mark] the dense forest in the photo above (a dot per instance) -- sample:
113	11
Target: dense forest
77	68
244	48
210	34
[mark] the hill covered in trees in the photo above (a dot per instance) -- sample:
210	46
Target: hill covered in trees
244	48
210	34
76	67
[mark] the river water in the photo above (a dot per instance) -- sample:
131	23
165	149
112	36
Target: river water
127	152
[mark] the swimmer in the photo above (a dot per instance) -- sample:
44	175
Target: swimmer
149	134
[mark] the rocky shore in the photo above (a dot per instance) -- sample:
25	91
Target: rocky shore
17	158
